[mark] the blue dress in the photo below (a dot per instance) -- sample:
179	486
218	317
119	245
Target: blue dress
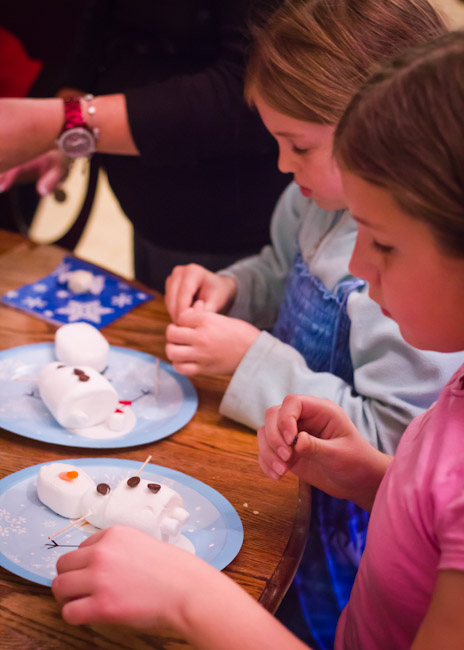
315	322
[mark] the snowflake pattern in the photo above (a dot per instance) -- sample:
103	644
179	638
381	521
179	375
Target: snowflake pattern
31	302
89	311
40	287
122	300
10	525
108	298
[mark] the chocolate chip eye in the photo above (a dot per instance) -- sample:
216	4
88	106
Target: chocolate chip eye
154	487
133	481
103	488
81	374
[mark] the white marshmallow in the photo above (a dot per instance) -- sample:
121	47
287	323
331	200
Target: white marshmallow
81	343
160	514
80	281
75	403
61	495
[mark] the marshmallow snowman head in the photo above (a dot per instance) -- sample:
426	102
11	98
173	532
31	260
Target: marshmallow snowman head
76	396
81	344
60	487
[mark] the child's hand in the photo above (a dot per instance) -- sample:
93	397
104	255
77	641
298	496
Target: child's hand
192	282
316	440
207	343
122	575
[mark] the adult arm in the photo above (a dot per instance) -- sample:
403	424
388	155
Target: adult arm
30	127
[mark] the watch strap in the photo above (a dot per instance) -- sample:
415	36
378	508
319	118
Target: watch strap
73	114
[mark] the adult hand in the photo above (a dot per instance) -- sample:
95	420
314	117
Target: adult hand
316	440
48	170
192	282
122	575
203	342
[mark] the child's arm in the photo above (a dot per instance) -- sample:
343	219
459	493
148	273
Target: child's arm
124	576
443	625
316	440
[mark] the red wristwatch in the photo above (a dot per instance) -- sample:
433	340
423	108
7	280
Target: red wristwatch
77	139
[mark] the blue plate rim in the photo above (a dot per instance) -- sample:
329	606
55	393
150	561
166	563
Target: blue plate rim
230	515
179	420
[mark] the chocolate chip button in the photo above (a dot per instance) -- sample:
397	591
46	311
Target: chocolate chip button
133	481
103	488
154	487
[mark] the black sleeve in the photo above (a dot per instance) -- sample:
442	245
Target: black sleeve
201	115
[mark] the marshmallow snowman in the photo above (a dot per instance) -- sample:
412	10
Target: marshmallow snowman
61	486
81	344
151	507
76	396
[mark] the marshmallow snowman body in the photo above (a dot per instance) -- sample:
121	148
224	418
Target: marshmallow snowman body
153	508
76	396
81	344
60	487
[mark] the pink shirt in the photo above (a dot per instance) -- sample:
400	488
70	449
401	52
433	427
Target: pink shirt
416	528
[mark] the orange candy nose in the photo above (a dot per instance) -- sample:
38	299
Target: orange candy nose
68	476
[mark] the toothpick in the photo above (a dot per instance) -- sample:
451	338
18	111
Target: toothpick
73	523
146	461
157	376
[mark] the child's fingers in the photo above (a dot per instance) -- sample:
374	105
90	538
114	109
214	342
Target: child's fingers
189	369
180	353
179	335
73	584
93	539
190	283
73	560
274	435
80	611
269	461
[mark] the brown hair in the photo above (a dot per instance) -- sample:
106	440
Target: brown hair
404	131
311	56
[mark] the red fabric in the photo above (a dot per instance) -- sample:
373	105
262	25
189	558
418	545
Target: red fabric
17	70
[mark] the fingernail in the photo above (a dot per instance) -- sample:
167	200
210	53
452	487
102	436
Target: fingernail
288	437
284	453
279	468
42	190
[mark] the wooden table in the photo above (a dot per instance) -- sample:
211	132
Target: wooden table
211	448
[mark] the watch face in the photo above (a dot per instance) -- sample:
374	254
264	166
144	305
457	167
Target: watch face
77	142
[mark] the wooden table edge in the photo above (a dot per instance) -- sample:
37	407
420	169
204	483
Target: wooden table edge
285	571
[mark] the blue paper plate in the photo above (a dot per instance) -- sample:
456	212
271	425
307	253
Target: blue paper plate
131	372
214	528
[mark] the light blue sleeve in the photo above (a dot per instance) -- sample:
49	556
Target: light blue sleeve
393	381
261	278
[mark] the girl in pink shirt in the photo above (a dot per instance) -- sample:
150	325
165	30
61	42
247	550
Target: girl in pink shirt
400	148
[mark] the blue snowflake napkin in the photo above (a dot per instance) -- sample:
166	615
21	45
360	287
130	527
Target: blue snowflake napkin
108	298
